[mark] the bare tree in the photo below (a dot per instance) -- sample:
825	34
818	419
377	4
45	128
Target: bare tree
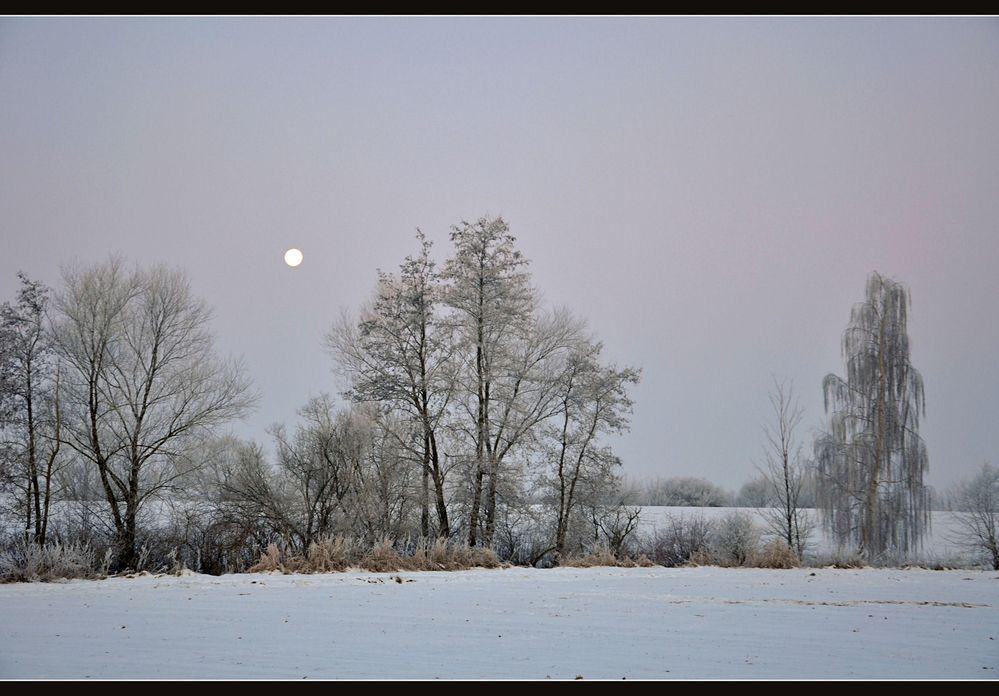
871	460
784	470
143	382
401	354
30	418
320	466
977	513
340	473
614	522
525	395
386	491
593	401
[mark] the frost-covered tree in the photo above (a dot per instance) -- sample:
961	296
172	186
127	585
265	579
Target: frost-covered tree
755	493
685	491
468	374
490	291
871	459
593	401
29	405
142	382
400	354
977	513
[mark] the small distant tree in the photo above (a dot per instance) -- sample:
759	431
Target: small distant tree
755	493
784	469
871	459
977	512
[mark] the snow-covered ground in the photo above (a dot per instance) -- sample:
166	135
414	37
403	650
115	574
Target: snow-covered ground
513	623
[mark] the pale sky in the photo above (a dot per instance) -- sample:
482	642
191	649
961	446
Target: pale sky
710	194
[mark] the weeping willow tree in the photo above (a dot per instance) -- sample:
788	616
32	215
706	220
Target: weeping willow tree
871	460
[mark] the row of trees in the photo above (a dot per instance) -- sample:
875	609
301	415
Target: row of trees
471	411
470	406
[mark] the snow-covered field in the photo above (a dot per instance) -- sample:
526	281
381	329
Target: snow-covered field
514	623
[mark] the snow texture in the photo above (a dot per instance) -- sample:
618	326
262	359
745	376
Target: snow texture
514	623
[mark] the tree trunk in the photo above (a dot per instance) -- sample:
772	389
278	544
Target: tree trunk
443	524
480	436
487	537
425	490
473	519
35	495
125	544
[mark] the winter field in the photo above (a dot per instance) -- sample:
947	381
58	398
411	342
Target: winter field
607	623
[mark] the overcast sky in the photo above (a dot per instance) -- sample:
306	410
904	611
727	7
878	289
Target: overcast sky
710	194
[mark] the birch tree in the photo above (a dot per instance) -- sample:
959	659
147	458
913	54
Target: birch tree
871	459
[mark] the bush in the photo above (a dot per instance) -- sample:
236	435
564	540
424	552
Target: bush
25	562
678	541
977	502
734	540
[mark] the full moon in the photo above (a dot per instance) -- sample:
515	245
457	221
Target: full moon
293	257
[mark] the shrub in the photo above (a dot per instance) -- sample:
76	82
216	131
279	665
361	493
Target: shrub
677	541
734	540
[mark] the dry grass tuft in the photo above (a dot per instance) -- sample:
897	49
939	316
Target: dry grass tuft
777	555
